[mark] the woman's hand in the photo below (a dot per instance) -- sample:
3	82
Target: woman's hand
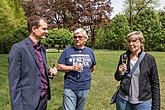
77	68
122	68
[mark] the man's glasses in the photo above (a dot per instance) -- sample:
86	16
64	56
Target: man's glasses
79	37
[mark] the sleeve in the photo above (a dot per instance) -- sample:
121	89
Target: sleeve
155	86
93	58
14	73
61	59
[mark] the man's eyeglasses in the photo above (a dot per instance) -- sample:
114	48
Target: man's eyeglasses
80	37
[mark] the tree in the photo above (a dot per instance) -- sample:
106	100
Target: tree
7	22
148	22
58	38
90	14
134	7
93	14
162	18
116	33
12	16
162	36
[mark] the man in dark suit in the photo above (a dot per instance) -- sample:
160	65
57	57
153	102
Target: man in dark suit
27	71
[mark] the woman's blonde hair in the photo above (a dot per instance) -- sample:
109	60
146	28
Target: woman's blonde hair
140	37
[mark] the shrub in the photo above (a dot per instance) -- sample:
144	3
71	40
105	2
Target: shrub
8	40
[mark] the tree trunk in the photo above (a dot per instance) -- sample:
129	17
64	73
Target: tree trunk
93	38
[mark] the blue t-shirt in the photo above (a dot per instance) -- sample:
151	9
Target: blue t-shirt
72	56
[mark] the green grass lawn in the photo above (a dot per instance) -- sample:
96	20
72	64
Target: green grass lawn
103	82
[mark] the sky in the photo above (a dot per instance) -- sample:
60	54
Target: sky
118	6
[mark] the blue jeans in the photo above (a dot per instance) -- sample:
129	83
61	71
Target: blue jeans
74	99
122	104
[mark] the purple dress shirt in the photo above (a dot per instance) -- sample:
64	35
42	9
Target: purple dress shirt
40	61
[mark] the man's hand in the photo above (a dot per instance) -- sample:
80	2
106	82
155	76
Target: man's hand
53	71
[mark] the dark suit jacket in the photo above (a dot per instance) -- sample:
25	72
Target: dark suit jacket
23	74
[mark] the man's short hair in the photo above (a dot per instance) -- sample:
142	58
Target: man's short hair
34	21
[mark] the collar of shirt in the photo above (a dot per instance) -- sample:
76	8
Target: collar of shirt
36	46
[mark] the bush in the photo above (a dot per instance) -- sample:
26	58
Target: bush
6	43
58	38
8	40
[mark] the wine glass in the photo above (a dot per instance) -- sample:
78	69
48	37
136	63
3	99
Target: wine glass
124	60
80	63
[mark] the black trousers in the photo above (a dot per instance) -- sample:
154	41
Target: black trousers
42	105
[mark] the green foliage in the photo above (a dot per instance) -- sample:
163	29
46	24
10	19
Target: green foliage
162	18
12	16
58	38
148	22
134	7
17	9
100	39
162	36
7	41
142	16
118	32
7	21
20	33
114	35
